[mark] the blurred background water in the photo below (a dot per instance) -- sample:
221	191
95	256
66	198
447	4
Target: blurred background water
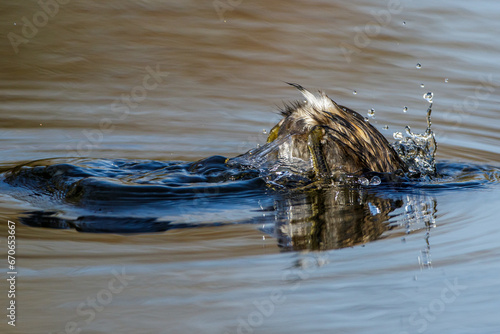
169	80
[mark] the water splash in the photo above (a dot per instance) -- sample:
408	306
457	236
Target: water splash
279	167
397	135
428	96
418	150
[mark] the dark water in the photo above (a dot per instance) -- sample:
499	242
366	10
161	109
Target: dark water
134	196
106	109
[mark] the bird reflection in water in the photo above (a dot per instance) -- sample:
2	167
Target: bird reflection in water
344	217
319	219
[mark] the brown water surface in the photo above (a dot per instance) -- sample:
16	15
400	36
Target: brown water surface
81	85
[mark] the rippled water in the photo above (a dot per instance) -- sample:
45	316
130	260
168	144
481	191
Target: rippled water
107	109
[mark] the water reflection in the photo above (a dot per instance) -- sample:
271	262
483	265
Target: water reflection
420	214
316	220
344	217
122	196
332	218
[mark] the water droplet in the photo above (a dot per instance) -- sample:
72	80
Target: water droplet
397	135
354	92
375	181
366	119
419	65
371	112
408	130
422	85
446	80
15	23
263	237
363	181
405	109
428	96
258	145
386	127
264	131
404	23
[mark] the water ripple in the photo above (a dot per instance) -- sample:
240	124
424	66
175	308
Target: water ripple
124	196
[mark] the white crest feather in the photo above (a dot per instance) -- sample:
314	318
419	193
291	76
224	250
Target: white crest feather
321	102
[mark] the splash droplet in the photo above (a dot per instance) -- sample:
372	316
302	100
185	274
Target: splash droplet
404	23
408	130
419	65
428	96
371	112
354	92
375	181
405	109
264	131
397	135
366	119
364	181
386	127
446	80
422	85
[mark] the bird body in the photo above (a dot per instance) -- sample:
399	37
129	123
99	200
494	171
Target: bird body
334	138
